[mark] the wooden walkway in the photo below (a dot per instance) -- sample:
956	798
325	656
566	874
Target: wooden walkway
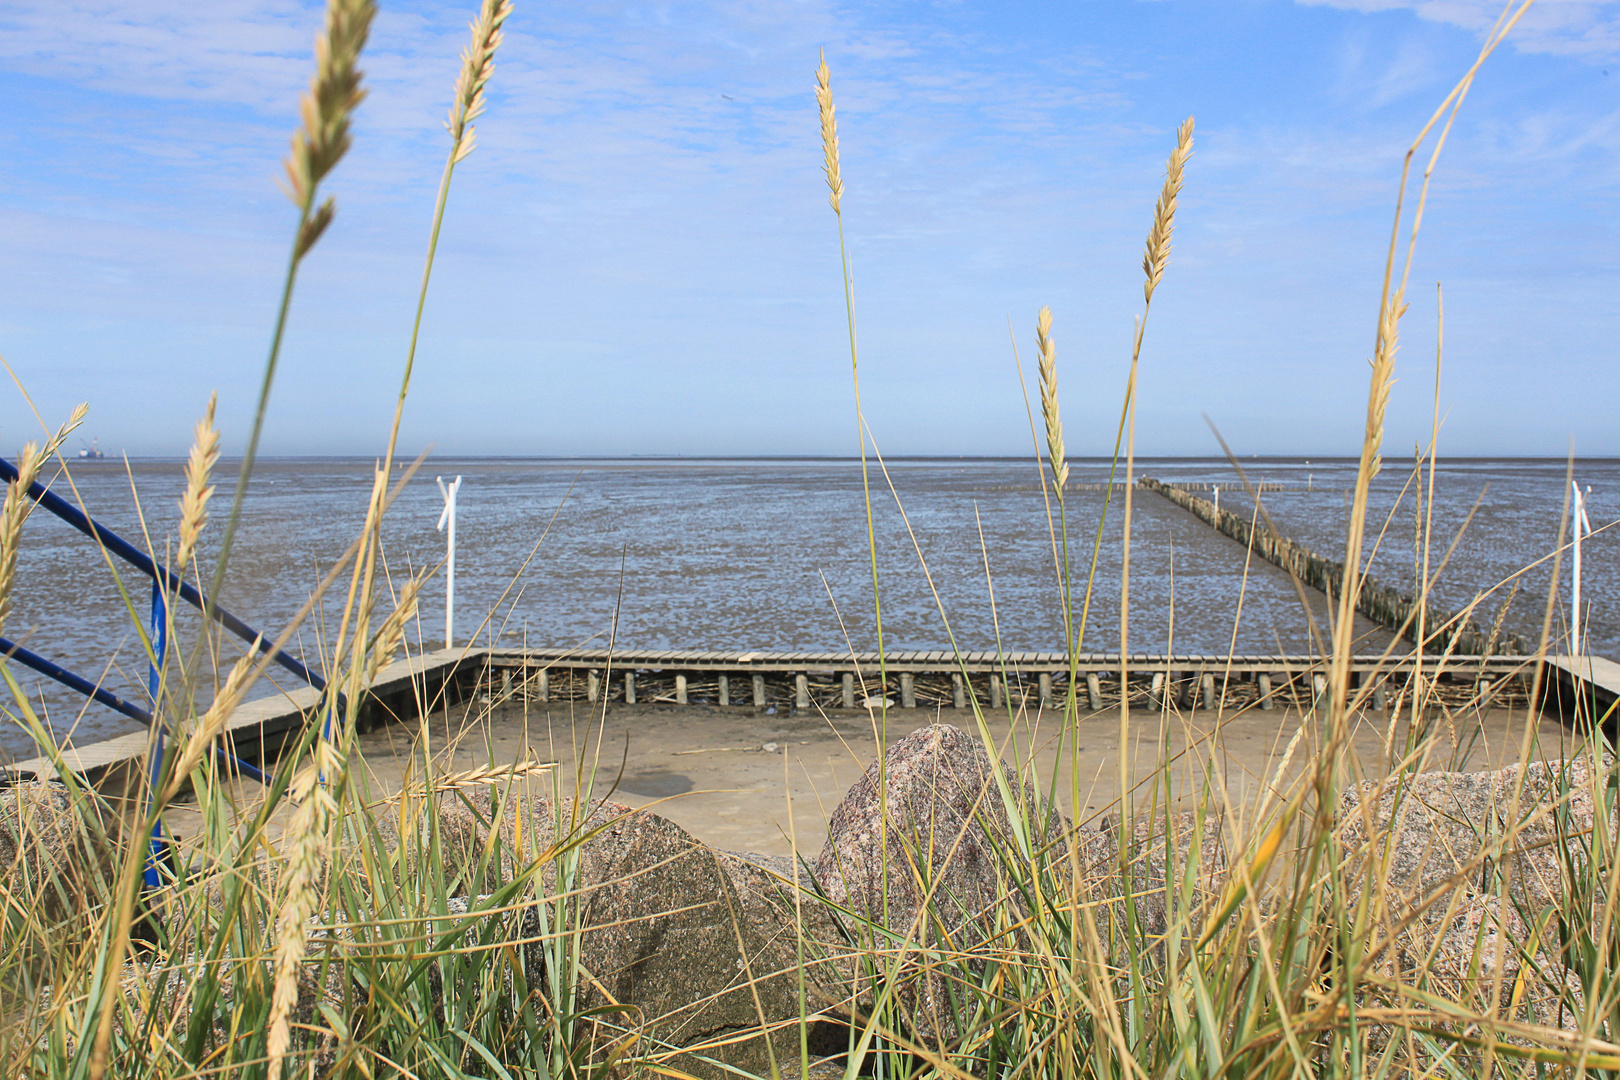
806	680
400	691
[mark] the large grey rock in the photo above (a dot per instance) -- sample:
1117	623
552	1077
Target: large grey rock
1436	842
700	943
929	819
1171	893
927	827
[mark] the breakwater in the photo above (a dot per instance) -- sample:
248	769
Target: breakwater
1389	607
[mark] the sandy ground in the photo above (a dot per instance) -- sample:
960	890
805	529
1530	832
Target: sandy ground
730	775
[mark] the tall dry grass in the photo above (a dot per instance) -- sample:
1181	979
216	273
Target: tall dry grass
320	930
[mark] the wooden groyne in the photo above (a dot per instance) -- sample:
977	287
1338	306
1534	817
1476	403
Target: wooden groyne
805	682
1389	607
810	683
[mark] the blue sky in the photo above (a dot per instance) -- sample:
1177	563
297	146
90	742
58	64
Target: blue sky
639	258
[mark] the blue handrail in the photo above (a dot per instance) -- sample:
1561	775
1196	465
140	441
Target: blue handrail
73	681
164	581
171	580
30	659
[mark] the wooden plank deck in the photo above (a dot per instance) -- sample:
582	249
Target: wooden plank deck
263	716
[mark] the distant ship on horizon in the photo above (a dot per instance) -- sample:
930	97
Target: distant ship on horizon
93	452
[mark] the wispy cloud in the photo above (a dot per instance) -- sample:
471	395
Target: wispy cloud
1584	28
1371	78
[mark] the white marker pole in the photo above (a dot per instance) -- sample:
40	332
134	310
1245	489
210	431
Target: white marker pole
449	518
1217	500
1582	527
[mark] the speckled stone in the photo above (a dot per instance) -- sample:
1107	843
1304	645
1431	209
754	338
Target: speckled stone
1431	836
671	927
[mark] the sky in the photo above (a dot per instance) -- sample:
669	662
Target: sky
639	258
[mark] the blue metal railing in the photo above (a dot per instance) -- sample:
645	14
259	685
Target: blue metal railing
172	581
165	582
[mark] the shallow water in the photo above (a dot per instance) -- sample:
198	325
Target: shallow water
773	555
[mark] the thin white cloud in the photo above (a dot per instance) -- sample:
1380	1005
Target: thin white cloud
1370	79
1585	28
246	52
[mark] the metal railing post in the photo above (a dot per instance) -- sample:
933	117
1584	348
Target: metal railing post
154	684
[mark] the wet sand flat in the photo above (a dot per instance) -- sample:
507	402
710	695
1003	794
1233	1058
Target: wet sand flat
730	775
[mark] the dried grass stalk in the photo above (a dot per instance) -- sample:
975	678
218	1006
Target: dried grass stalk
1157	252
19	504
829	135
305	849
194	503
202	736
334	93
392	633
485	775
1049	399
477	65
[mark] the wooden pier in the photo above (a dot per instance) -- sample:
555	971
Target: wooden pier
806	682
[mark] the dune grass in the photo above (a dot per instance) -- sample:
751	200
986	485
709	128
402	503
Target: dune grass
321	929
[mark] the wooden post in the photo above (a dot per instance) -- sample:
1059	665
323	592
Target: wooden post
849	689
1318	690
1209	691
958	695
506	683
908	690
1156	690
543	684
1267	702
1380	697
1094	691
1046	689
801	692
680	689
725	690
995	691
629	688
759	691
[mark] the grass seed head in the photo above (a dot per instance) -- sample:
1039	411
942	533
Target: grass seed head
207	729
18	503
829	135
1157	252
334	93
477	65
1049	398
194	503
392	633
1383	378
304	850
